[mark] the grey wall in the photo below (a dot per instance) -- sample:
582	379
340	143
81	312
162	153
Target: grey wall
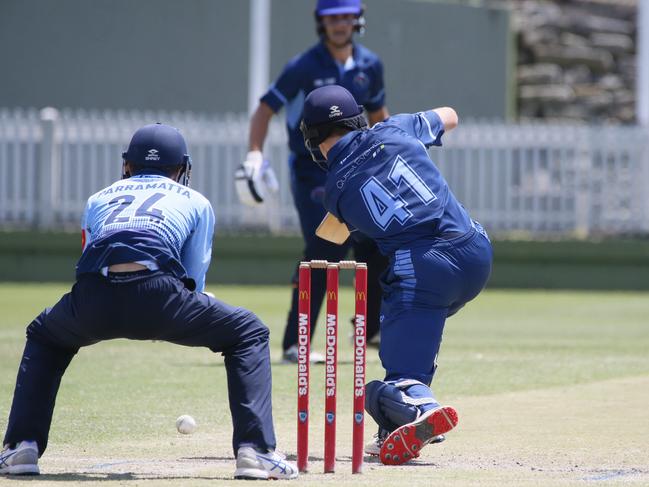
193	54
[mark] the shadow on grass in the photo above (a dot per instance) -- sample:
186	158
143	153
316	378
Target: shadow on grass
313	458
207	459
108	477
375	460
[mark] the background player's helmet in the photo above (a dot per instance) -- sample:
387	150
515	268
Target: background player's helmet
158	146
336	7
326	108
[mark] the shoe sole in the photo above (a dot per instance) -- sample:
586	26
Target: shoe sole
259	474
21	470
269	477
434	441
405	443
373	453
250	474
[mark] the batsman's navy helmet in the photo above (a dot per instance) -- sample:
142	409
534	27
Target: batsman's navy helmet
158	145
326	108
339	7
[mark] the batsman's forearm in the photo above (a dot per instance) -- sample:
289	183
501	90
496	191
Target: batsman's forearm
448	116
259	127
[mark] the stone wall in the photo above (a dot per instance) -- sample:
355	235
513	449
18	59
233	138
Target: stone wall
576	59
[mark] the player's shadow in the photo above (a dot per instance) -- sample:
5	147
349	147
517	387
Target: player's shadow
206	459
375	460
289	456
110	477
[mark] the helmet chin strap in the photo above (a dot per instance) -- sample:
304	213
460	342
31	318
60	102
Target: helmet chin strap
317	157
186	173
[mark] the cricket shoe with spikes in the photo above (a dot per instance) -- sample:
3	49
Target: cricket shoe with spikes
253	465
405	443
21	460
373	448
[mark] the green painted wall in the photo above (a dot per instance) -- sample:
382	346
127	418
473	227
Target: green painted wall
193	54
146	54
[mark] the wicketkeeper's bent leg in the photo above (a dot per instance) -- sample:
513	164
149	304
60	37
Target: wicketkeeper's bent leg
39	376
244	341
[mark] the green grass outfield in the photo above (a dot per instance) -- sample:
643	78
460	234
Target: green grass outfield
552	389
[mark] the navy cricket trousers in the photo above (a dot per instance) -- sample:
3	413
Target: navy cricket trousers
143	306
427	283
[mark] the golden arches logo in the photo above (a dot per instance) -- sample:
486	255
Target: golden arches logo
331	295
304	294
360	296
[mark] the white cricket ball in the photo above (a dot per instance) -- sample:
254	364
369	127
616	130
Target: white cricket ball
185	424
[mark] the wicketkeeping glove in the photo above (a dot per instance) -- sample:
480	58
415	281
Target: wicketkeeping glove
255	179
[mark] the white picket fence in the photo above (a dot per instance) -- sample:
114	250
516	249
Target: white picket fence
532	179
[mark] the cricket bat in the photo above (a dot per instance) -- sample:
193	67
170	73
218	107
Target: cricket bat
332	230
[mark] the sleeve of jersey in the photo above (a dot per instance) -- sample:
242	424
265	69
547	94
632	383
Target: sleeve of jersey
285	87
332	205
428	128
197	251
377	94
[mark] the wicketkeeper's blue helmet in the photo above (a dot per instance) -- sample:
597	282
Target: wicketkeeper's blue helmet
159	146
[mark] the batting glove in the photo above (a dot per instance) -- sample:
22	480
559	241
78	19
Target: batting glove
255	179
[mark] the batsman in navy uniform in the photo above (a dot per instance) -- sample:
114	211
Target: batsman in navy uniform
335	59
382	182
147	244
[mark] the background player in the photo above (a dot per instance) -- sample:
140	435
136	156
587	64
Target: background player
147	245
335	59
382	182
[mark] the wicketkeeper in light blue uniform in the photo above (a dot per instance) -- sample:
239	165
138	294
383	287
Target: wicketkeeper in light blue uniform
382	182
147	244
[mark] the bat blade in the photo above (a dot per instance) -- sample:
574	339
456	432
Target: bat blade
332	230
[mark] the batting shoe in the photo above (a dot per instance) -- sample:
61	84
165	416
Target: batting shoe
253	465
290	356
405	443
22	460
373	448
